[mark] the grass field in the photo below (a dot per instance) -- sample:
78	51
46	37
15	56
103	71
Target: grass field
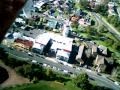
46	85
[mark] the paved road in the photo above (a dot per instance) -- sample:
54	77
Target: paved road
107	25
99	79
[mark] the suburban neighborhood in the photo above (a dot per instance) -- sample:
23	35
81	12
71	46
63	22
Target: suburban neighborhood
68	37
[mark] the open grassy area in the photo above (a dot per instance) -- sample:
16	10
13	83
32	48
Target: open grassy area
46	85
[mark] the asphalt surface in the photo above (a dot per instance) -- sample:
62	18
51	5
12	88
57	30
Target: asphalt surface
107	25
99	79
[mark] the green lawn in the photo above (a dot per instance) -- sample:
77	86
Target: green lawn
46	85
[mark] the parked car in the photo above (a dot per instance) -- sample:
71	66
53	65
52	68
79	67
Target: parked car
44	64
34	61
99	74
116	83
54	68
65	71
30	54
91	79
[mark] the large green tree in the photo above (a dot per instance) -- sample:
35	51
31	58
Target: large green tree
84	4
82	81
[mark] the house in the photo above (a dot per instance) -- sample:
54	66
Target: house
22	44
111	8
102	50
94	50
74	18
13	35
100	64
52	23
66	30
26	10
19	20
80	54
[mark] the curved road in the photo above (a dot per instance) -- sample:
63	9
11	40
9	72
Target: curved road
107	25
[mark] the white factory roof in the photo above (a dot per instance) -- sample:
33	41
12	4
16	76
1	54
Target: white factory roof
42	39
61	42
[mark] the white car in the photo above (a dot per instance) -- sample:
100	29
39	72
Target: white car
65	71
34	61
116	83
44	64
54	68
30	54
77	68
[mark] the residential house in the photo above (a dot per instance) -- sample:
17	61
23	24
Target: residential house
52	24
94	50
66	30
26	10
79	56
74	18
103	50
100	64
112	8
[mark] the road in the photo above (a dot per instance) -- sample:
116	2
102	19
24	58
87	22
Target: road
99	79
107	25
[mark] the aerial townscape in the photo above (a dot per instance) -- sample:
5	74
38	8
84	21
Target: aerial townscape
63	45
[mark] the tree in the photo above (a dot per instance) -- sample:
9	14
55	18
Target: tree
84	4
82	81
50	74
102	9
102	29
116	46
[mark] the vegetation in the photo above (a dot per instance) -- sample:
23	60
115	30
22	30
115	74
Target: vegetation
84	4
102	9
3	74
82	82
115	21
45	85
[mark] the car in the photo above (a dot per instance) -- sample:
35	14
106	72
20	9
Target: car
38	55
65	71
61	63
40	63
11	48
77	68
91	79
99	74
34	61
116	83
70	72
54	68
48	66
30	54
44	64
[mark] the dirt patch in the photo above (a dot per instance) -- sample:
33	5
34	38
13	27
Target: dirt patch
14	78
